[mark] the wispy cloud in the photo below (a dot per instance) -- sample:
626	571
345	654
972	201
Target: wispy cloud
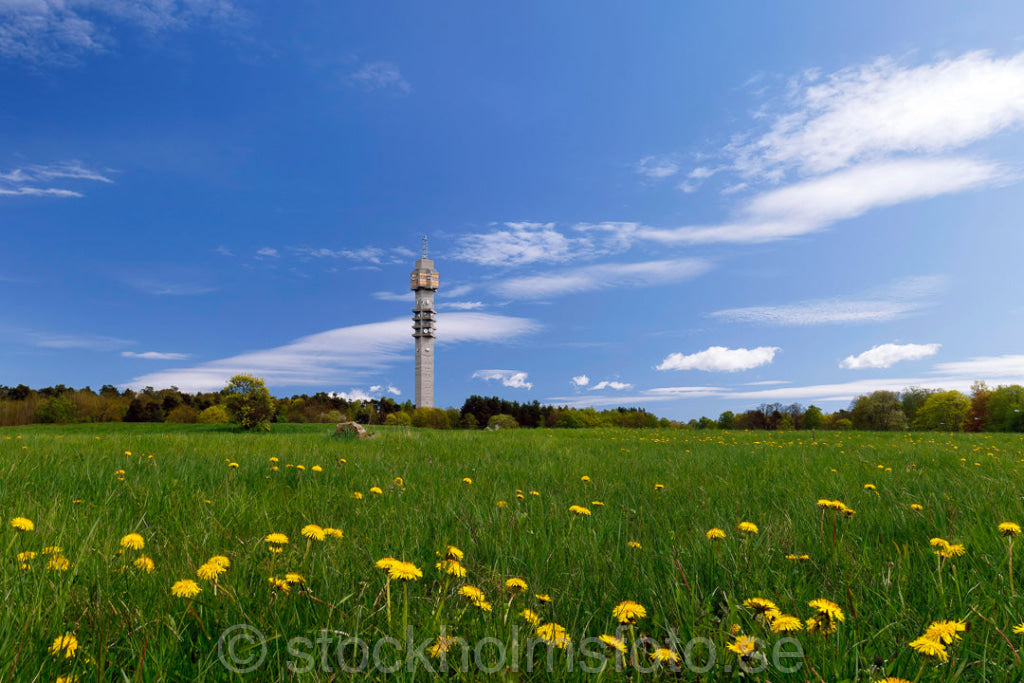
517	244
657	167
463	305
380	76
394	296
720	359
602	276
345	356
48	32
580	381
28	180
605	384
515	379
77	341
892	302
991	368
155	355
372	255
887	355
268	252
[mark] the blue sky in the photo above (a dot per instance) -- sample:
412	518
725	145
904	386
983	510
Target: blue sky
690	208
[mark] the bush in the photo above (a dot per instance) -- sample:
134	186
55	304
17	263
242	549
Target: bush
249	402
396	419
430	418
502	422
214	415
183	415
56	410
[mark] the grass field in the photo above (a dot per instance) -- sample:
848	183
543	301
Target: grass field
192	493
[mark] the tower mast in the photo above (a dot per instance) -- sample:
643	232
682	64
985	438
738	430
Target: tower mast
424	281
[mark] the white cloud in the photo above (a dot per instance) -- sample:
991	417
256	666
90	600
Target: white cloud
392	296
268	252
657	166
354	395
460	290
345	355
520	244
885	108
581	380
155	355
887	355
366	254
658	395
720	359
617	386
1009	367
57	32
602	276
892	302
26	180
509	378
464	305
380	76
78	341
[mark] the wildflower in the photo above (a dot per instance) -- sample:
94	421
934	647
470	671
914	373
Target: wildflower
785	623
398	481
404	571
1009	529
133	542
26	556
219	560
515	585
870	487
316	468
333	533
186	588
824	503
952	550
530	616
65	645
744	646
1019	628
893	679
627	612
314	532
535	493
473	593
441	646
945	631
579	510
613	642
658	487
467	481
300	468
554	634
276	539
51	550
747	527
376	490
917	507
820	624
385	563
584	478
145	564
597	503
295	579
502	504
715	534
23	524
760	605
274	459
357	495
930	648
828	609
452	568
58	563
662	655
278	584
483	605
635	545
210	571
798	558
67	679
233	465
542	597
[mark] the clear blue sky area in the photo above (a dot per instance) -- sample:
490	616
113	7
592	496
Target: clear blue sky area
689	207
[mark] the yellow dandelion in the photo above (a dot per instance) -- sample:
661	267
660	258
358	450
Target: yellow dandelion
300	468
274	459
357	495
930	648
144	563
715	534
276	539
635	545
233	465
316	468
530	616
554	634
295	579
760	605
658	487
65	645
584	478
597	504
613	642
314	532
893	679
785	623
58	563
376	490
870	487
210	571
404	571
542	597
797	558
220	561
398	482
917	507
515	585
938	543
952	550
467	481
385	563
451	568
186	588
502	504
747	527
441	646
278	584
579	510
744	646
627	612
1009	529
535	493
945	631
828	609
664	655
453	553
333	533
483	605
133	542
1019	628
23	524
473	593
27	556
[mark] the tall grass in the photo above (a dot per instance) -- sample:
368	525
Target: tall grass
181	494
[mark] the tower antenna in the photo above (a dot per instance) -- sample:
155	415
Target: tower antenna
424	246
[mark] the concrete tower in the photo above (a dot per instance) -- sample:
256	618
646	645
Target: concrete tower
424	281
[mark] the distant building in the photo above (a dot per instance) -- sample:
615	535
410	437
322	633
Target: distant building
424	281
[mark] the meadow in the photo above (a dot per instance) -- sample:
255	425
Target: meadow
157	552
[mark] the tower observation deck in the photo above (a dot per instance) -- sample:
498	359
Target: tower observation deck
424	281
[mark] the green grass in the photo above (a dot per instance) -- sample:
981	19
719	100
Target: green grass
180	494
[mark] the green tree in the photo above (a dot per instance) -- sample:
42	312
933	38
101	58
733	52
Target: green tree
912	399
1006	409
214	415
183	414
727	420
502	422
944	411
249	402
879	411
813	418
55	410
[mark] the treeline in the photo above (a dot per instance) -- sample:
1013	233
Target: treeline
985	410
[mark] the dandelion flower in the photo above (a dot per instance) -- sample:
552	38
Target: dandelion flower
467	481
210	571
715	534
535	493
473	593
483	605
233	465
945	631
441	646
276	539
220	560
579	510
453	553
597	503
65	645
554	634
893	679
938	543
385	563
530	616
279	584
952	550
635	545
405	571
542	597
828	609
627	612
760	605
870	487
515	585
186	588
502	504
314	532
658	487
1019	628
357	495
930	648
295	579
663	655
917	507
23	524
451	568
133	542
26	556
300	468
144	563
785	623
747	527
274	459
613	642
58	563
333	533
1009	529
584	478
316	468
820	624
744	646
376	490
798	558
